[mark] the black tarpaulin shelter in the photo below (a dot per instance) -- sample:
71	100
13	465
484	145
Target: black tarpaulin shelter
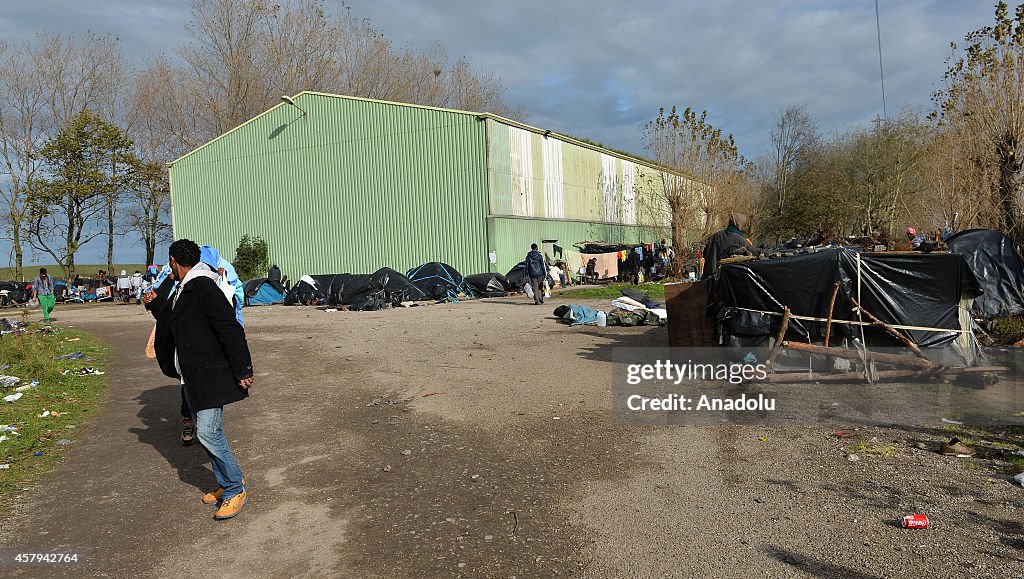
355	291
489	285
925	296
998	264
516	277
439	281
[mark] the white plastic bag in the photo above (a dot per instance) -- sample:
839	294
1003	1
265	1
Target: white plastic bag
547	289
33	303
227	289
529	290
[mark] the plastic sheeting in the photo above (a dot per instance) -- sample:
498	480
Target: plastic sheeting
998	263
922	290
263	292
489	285
356	291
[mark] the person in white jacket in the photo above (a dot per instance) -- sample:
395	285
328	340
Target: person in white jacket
124	287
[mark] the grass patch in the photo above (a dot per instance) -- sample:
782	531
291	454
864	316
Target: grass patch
654	290
30	271
874	449
71	400
1008	330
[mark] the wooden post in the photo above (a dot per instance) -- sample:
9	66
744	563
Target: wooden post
779	339
831	306
894	359
892	331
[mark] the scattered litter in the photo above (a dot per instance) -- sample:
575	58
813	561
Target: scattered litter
844	434
429	394
8	428
88	371
4	466
1020	479
556	418
763	439
13	397
63	442
37	453
852	457
27	386
3	437
948	421
8	381
72	339
71	356
915	521
387	468
4	366
406	452
44	414
330	310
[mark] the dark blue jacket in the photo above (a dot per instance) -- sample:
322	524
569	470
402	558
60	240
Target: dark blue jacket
536	265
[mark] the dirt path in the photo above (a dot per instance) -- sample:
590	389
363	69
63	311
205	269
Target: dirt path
515	468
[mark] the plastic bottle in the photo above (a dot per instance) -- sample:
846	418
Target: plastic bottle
602	319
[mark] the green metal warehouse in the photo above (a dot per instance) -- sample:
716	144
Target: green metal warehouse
343	184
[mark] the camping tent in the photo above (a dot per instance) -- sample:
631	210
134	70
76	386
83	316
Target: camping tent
263	292
356	291
924	295
998	263
439	281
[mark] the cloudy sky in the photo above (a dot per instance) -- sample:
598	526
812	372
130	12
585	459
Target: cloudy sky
601	69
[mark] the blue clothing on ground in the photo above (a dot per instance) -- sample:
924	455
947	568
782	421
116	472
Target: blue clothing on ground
583	315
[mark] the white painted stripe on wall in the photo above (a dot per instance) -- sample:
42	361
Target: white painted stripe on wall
522	171
609	182
629	192
554	192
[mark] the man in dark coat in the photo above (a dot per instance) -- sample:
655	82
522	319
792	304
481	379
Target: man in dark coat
727	243
536	271
199	340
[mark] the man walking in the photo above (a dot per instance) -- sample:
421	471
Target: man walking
42	291
536	270
199	341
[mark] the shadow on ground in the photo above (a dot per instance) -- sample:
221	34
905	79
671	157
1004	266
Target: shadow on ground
160	416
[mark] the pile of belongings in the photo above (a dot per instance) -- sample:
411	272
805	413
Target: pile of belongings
489	285
576	315
13	292
440	281
362	292
635	308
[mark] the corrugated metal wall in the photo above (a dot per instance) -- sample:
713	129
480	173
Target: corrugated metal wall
353	186
511	236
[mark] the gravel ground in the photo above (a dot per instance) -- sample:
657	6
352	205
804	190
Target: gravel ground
476	439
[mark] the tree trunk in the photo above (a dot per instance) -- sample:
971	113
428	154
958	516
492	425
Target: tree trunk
18	252
1009	174
110	234
675	267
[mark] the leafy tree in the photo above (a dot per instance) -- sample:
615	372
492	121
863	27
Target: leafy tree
78	175
252	258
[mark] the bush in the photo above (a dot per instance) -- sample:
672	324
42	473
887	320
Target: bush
252	257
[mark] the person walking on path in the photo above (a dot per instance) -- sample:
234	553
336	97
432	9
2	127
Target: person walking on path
199	341
42	291
536	270
137	286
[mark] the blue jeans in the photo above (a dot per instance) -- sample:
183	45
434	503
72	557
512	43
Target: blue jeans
210	435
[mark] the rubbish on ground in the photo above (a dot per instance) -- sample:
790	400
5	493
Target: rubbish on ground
556	418
428	394
4	366
44	414
8	428
4	466
72	339
27	386
387	468
37	453
1020	479
330	310
63	442
71	356
948	421
852	457
956	448
844	434
8	381
3	437
602	319
13	397
88	371
406	452
915	521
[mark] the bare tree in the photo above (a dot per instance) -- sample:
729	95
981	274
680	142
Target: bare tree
702	164
983	103
794	136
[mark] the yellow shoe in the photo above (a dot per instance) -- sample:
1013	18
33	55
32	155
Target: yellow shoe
214	497
231	507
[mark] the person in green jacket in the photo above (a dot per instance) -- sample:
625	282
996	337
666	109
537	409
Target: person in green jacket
42	291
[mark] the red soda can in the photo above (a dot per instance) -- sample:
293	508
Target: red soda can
916	521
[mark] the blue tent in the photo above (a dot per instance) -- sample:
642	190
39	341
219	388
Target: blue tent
263	292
